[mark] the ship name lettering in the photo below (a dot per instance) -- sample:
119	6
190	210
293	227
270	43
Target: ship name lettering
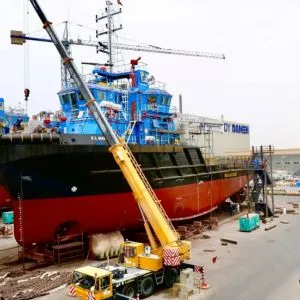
97	138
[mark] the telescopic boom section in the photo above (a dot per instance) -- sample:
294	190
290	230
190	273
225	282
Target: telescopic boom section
131	170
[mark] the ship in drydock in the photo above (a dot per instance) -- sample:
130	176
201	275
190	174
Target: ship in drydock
66	182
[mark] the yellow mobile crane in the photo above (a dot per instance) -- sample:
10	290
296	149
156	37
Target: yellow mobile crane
151	266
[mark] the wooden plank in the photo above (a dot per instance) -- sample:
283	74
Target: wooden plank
269	228
229	241
284	222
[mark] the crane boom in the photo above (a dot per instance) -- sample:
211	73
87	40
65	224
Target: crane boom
155	49
131	170
20	37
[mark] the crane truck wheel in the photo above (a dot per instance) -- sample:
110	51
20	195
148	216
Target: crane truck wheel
129	290
171	276
147	286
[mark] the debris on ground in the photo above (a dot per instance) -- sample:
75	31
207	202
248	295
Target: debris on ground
229	241
284	222
224	244
204	236
269	228
16	285
209	250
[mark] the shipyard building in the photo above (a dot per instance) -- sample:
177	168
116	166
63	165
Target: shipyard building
216	137
286	160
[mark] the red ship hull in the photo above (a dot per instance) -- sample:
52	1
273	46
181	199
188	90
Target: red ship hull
5	199
109	212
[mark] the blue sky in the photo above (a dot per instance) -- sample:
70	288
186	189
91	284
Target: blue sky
258	83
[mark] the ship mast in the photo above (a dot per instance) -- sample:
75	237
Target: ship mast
110	28
65	76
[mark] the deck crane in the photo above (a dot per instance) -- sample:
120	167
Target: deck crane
171	251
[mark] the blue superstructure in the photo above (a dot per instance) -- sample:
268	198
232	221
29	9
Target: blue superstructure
134	105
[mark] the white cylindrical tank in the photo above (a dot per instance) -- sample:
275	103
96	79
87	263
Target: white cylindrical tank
106	244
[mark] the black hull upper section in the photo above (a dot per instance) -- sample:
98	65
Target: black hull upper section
62	170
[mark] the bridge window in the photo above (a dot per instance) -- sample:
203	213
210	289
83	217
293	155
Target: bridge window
165	100
73	101
144	77
80	97
65	99
152	102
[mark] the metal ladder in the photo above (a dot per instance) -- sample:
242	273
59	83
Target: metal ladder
125	104
148	187
129	130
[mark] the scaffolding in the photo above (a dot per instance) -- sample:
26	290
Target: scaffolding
260	170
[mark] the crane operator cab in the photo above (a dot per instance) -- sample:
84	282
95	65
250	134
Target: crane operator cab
91	280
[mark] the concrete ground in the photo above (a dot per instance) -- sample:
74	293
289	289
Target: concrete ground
264	265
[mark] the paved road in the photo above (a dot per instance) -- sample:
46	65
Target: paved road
265	265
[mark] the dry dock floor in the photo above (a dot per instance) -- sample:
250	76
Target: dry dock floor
263	265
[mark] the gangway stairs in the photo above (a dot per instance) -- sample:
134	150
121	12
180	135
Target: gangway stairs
260	163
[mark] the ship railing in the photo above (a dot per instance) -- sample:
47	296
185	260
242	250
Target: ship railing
127	67
188	142
157	85
227	162
157	108
163	140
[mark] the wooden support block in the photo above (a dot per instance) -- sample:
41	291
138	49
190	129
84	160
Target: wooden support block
182	228
197	223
